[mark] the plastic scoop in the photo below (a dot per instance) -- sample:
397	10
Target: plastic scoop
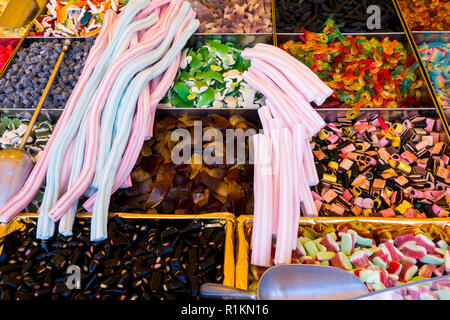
294	282
16	164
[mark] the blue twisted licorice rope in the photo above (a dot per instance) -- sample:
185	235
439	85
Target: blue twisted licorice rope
125	115
46	226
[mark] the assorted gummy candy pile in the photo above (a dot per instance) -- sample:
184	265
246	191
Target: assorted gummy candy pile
211	76
426	14
364	72
436	56
74	18
381	255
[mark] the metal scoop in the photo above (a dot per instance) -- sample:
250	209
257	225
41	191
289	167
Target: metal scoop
294	282
16	164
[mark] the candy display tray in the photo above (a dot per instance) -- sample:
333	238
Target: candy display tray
432	36
313	14
26	42
241	41
426	100
243	237
213	220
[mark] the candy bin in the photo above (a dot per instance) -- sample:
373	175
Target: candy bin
382	252
365	71
25	78
294	16
433	48
210	74
224	184
426	16
154	257
365	174
13	124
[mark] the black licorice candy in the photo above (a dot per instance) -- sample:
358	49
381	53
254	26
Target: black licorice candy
293	15
104	265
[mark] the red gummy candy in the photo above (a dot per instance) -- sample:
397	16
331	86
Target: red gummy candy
394	267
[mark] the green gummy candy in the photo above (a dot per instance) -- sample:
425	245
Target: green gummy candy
325	263
311	249
410	273
346	244
442	244
206	97
353	232
6	121
333	235
379	262
301	247
369	276
324	255
363	242
346	261
304	240
16	122
320	247
182	89
302	259
441	250
418	278
378	286
431	259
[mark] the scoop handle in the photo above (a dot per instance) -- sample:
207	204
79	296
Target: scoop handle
44	95
219	291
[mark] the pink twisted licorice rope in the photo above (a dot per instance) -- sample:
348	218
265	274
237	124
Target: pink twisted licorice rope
287	69
317	85
158	33
145	116
144	123
37	175
264	197
304	108
283	250
92	146
150	8
285	106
